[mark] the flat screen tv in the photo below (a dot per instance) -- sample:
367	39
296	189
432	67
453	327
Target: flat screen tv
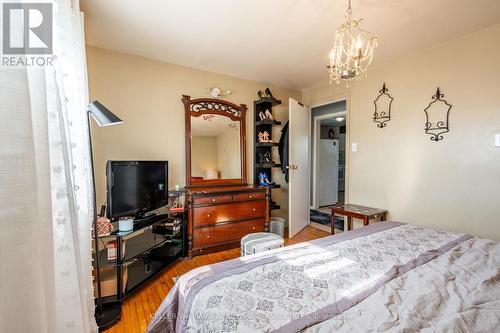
135	188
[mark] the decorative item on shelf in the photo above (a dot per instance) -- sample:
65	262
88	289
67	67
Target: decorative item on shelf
383	104
217	92
176	205
264	179
352	51
266	115
269	94
269	115
104	226
176	199
266	94
264	137
265	158
436	128
126	224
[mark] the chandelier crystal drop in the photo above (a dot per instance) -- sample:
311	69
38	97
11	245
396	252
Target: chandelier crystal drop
352	51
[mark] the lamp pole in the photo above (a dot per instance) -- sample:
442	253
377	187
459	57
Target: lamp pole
105	314
94	219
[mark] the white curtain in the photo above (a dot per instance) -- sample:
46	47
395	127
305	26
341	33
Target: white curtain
46	189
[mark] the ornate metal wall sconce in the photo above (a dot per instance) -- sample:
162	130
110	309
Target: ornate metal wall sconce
383	104
436	128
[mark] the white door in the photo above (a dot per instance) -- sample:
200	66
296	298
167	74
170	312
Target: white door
328	180
298	157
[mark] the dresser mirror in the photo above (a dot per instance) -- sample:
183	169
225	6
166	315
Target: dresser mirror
215	142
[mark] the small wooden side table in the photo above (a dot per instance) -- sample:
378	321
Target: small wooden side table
358	212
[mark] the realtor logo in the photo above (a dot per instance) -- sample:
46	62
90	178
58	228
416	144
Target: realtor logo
27	28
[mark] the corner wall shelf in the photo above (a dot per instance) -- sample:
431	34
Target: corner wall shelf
268	165
267	100
267	122
260	148
274	206
266	144
272	186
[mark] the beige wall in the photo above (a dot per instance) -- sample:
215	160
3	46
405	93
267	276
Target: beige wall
453	184
146	94
228	154
205	157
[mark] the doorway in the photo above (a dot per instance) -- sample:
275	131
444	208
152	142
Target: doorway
328	157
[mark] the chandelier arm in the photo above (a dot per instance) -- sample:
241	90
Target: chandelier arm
352	52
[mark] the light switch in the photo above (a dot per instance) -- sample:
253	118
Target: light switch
354	147
497	140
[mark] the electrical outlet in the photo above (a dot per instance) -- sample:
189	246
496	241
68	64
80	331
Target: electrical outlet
497	140
354	147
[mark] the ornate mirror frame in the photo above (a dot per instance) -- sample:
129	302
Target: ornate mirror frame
200	106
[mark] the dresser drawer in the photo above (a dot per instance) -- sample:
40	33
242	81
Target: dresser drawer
249	196
210	215
213	199
225	233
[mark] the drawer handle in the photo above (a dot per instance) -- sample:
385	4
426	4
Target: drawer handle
208	215
250	196
208	236
253	228
253	210
213	200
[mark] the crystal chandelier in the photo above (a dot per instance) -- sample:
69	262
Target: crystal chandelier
352	51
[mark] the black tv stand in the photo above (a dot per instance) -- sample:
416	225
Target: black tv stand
141	254
148	219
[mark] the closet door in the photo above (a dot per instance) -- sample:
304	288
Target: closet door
298	155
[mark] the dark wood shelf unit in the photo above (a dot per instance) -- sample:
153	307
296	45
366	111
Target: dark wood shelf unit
268	122
269	102
266	144
267	125
272	186
274	206
267	165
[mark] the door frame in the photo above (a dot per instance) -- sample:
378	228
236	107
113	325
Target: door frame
330	100
317	155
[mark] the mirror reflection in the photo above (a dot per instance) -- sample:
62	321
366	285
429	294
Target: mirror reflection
215	147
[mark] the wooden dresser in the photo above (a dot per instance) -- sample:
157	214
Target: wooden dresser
220	216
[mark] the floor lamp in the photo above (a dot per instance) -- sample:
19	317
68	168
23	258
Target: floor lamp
105	314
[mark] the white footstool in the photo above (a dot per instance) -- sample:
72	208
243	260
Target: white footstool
259	242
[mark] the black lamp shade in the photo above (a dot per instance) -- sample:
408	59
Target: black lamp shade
102	115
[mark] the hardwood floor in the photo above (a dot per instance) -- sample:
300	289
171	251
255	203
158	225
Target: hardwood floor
140	307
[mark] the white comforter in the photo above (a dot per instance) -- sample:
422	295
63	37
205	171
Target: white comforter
459	291
385	277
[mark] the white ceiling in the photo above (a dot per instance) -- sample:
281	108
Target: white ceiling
284	42
333	121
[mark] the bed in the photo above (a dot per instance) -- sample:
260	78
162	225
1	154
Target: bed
386	277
